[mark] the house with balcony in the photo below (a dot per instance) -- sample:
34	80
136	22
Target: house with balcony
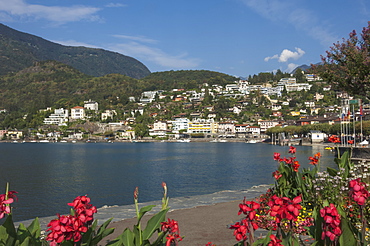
266	124
91	105
159	129
226	128
78	113
180	124
59	117
202	126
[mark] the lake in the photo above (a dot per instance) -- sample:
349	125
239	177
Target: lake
49	175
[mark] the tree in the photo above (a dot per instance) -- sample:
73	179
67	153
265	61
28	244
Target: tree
141	130
347	64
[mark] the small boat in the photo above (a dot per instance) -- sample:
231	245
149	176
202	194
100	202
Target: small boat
218	141
183	140
329	148
44	141
252	141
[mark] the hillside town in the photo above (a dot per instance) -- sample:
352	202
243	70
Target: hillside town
195	114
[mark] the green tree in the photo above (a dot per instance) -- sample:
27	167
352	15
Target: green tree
141	130
347	64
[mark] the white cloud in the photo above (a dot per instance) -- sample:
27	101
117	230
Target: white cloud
290	12
137	38
74	43
286	55
59	14
271	57
155	55
115	5
291	67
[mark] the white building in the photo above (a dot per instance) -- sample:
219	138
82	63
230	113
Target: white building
297	87
91	105
266	124
148	96
60	117
180	124
159	129
108	114
78	113
227	128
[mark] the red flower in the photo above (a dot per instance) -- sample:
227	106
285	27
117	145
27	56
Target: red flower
296	166
315	159
172	227
4	203
331	224
358	191
240	230
350	141
210	244
274	241
276	156
277	175
334	139
292	150
71	227
284	208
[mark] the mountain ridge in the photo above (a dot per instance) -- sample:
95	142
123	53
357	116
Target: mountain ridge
20	50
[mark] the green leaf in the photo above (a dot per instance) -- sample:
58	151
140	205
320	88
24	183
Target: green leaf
144	210
154	224
102	232
348	236
126	238
262	241
8	233
332	172
22	234
34	228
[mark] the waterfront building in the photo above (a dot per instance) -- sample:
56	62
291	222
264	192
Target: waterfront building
180	124
159	129
266	124
202	126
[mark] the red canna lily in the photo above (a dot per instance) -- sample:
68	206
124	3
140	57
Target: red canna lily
331	225
274	241
292	150
276	156
358	191
277	175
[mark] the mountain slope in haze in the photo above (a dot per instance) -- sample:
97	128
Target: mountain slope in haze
20	50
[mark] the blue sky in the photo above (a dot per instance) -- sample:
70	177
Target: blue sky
236	37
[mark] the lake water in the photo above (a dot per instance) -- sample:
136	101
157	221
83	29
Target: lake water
49	175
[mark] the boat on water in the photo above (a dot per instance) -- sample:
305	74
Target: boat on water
329	148
183	140
44	141
252	141
218	141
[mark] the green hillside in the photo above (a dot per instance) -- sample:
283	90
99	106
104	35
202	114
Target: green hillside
54	84
187	79
19	50
51	83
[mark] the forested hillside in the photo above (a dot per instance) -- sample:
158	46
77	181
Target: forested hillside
53	84
187	79
20	50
